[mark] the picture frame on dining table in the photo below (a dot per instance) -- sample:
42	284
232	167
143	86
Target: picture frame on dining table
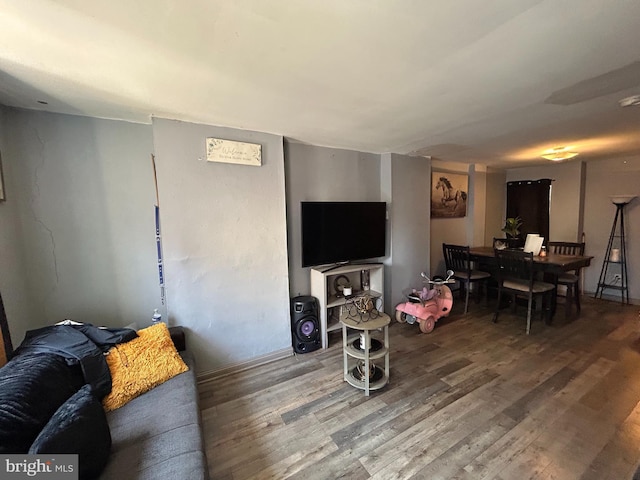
449	194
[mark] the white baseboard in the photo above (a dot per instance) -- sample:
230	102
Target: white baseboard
239	367
613	297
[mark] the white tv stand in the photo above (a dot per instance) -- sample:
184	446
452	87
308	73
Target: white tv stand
322	287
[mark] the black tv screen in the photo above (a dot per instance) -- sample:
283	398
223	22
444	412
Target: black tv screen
336	232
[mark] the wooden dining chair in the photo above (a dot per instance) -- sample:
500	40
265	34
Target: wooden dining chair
570	280
516	277
457	259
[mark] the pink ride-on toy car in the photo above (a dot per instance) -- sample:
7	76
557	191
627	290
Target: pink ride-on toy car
428	305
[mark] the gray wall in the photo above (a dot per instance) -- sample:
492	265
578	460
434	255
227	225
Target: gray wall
225	246
606	177
477	204
409	212
77	232
495	205
12	272
77	235
326	174
323	174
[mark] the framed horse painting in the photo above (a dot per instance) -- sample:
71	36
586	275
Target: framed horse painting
449	194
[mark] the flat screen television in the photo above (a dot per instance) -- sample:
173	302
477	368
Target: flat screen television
337	232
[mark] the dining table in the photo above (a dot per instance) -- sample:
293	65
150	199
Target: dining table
550	265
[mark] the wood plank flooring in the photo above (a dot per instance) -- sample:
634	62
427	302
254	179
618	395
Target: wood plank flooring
471	400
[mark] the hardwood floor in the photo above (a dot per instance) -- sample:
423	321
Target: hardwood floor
471	400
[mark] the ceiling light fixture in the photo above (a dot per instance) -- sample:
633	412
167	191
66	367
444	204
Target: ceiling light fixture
558	154
632	101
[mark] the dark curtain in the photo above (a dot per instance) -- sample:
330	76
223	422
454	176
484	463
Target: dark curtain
529	200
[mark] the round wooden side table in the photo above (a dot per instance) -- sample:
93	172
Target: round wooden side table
360	348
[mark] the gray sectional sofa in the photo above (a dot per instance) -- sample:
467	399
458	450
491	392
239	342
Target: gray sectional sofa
51	403
158	435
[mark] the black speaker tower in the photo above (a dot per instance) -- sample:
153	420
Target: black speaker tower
305	325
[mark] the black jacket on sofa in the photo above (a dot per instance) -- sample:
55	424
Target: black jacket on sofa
50	366
83	344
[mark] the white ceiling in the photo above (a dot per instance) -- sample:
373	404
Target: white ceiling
493	82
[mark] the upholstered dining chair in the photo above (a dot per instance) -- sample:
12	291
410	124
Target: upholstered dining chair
457	258
570	280
516	277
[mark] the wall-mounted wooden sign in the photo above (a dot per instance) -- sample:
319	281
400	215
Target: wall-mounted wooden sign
228	151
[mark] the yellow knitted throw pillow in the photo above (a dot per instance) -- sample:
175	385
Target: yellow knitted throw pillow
142	364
